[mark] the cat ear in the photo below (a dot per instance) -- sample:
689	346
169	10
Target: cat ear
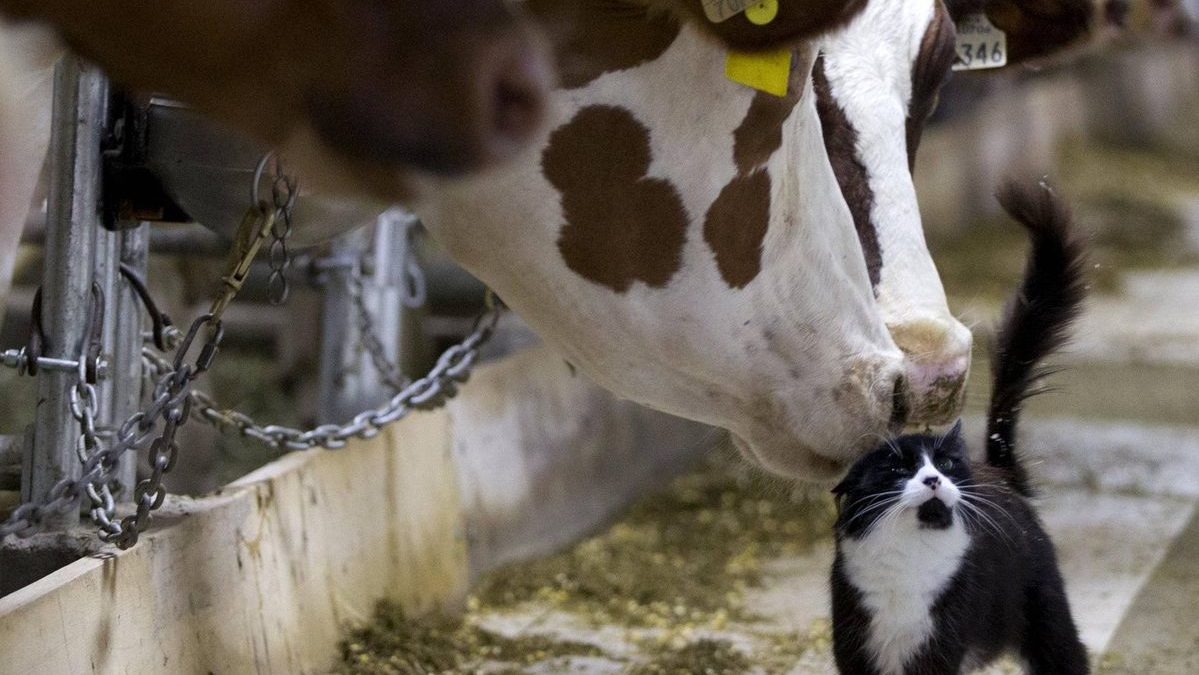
841	487
955	434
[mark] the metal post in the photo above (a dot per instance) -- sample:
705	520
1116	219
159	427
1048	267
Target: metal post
342	368
386	294
120	392
349	382
80	94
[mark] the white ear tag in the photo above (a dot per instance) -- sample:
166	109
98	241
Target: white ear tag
722	10
979	44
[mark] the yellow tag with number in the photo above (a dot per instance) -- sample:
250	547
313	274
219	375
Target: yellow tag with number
766	71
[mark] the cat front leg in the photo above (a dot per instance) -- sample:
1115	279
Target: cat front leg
851	627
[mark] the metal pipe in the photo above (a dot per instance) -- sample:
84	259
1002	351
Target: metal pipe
340	368
122	392
190	239
80	97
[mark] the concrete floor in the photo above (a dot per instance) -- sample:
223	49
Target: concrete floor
1126	578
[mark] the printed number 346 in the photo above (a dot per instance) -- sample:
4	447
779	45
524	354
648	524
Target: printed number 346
982	53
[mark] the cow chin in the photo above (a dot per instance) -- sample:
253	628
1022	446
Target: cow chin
791	460
817	441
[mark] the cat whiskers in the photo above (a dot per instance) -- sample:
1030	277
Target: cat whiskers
883	500
974	503
978	518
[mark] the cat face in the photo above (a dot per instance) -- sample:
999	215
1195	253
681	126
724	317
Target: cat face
916	476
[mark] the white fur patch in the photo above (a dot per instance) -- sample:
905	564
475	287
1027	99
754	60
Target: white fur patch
900	569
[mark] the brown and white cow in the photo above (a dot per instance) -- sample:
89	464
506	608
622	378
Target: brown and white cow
376	86
744	259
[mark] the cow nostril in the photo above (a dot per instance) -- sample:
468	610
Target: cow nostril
900	407
932	482
518	96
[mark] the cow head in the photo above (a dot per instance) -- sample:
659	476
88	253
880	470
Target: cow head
363	91
751	261
681	239
877	81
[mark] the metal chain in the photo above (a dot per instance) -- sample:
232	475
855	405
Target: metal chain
283	197
431	391
84	407
388	371
171	404
170	395
174	401
413	294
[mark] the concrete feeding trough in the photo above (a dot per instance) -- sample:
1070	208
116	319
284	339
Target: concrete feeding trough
265	575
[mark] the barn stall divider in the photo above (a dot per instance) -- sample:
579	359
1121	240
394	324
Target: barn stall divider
266	572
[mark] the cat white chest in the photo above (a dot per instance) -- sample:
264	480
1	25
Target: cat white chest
900	570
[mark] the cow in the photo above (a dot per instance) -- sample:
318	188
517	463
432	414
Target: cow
748	259
370	89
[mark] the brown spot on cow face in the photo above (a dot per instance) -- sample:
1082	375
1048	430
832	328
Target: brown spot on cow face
794	23
928	74
761	132
735	226
737	221
621	226
593	38
840	142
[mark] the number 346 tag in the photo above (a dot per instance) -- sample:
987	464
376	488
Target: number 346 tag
979	44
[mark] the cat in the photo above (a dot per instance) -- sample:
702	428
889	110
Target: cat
942	566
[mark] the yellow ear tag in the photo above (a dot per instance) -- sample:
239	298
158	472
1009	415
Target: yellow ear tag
763	12
765	71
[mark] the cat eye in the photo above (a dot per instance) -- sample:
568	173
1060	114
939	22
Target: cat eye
945	464
898	470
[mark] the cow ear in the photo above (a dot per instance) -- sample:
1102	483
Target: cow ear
1034	28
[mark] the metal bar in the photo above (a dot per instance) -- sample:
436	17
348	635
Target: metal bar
349	380
121	394
342	365
80	93
190	239
384	290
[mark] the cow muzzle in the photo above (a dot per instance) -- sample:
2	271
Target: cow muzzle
455	104
936	366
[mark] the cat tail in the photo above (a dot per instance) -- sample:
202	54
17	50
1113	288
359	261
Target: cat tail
1037	319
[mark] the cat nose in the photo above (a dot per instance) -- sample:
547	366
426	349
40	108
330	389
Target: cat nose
932	482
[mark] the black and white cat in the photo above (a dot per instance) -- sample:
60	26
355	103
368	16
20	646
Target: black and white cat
942	566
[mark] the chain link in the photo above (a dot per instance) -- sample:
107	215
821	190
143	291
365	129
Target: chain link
283	197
